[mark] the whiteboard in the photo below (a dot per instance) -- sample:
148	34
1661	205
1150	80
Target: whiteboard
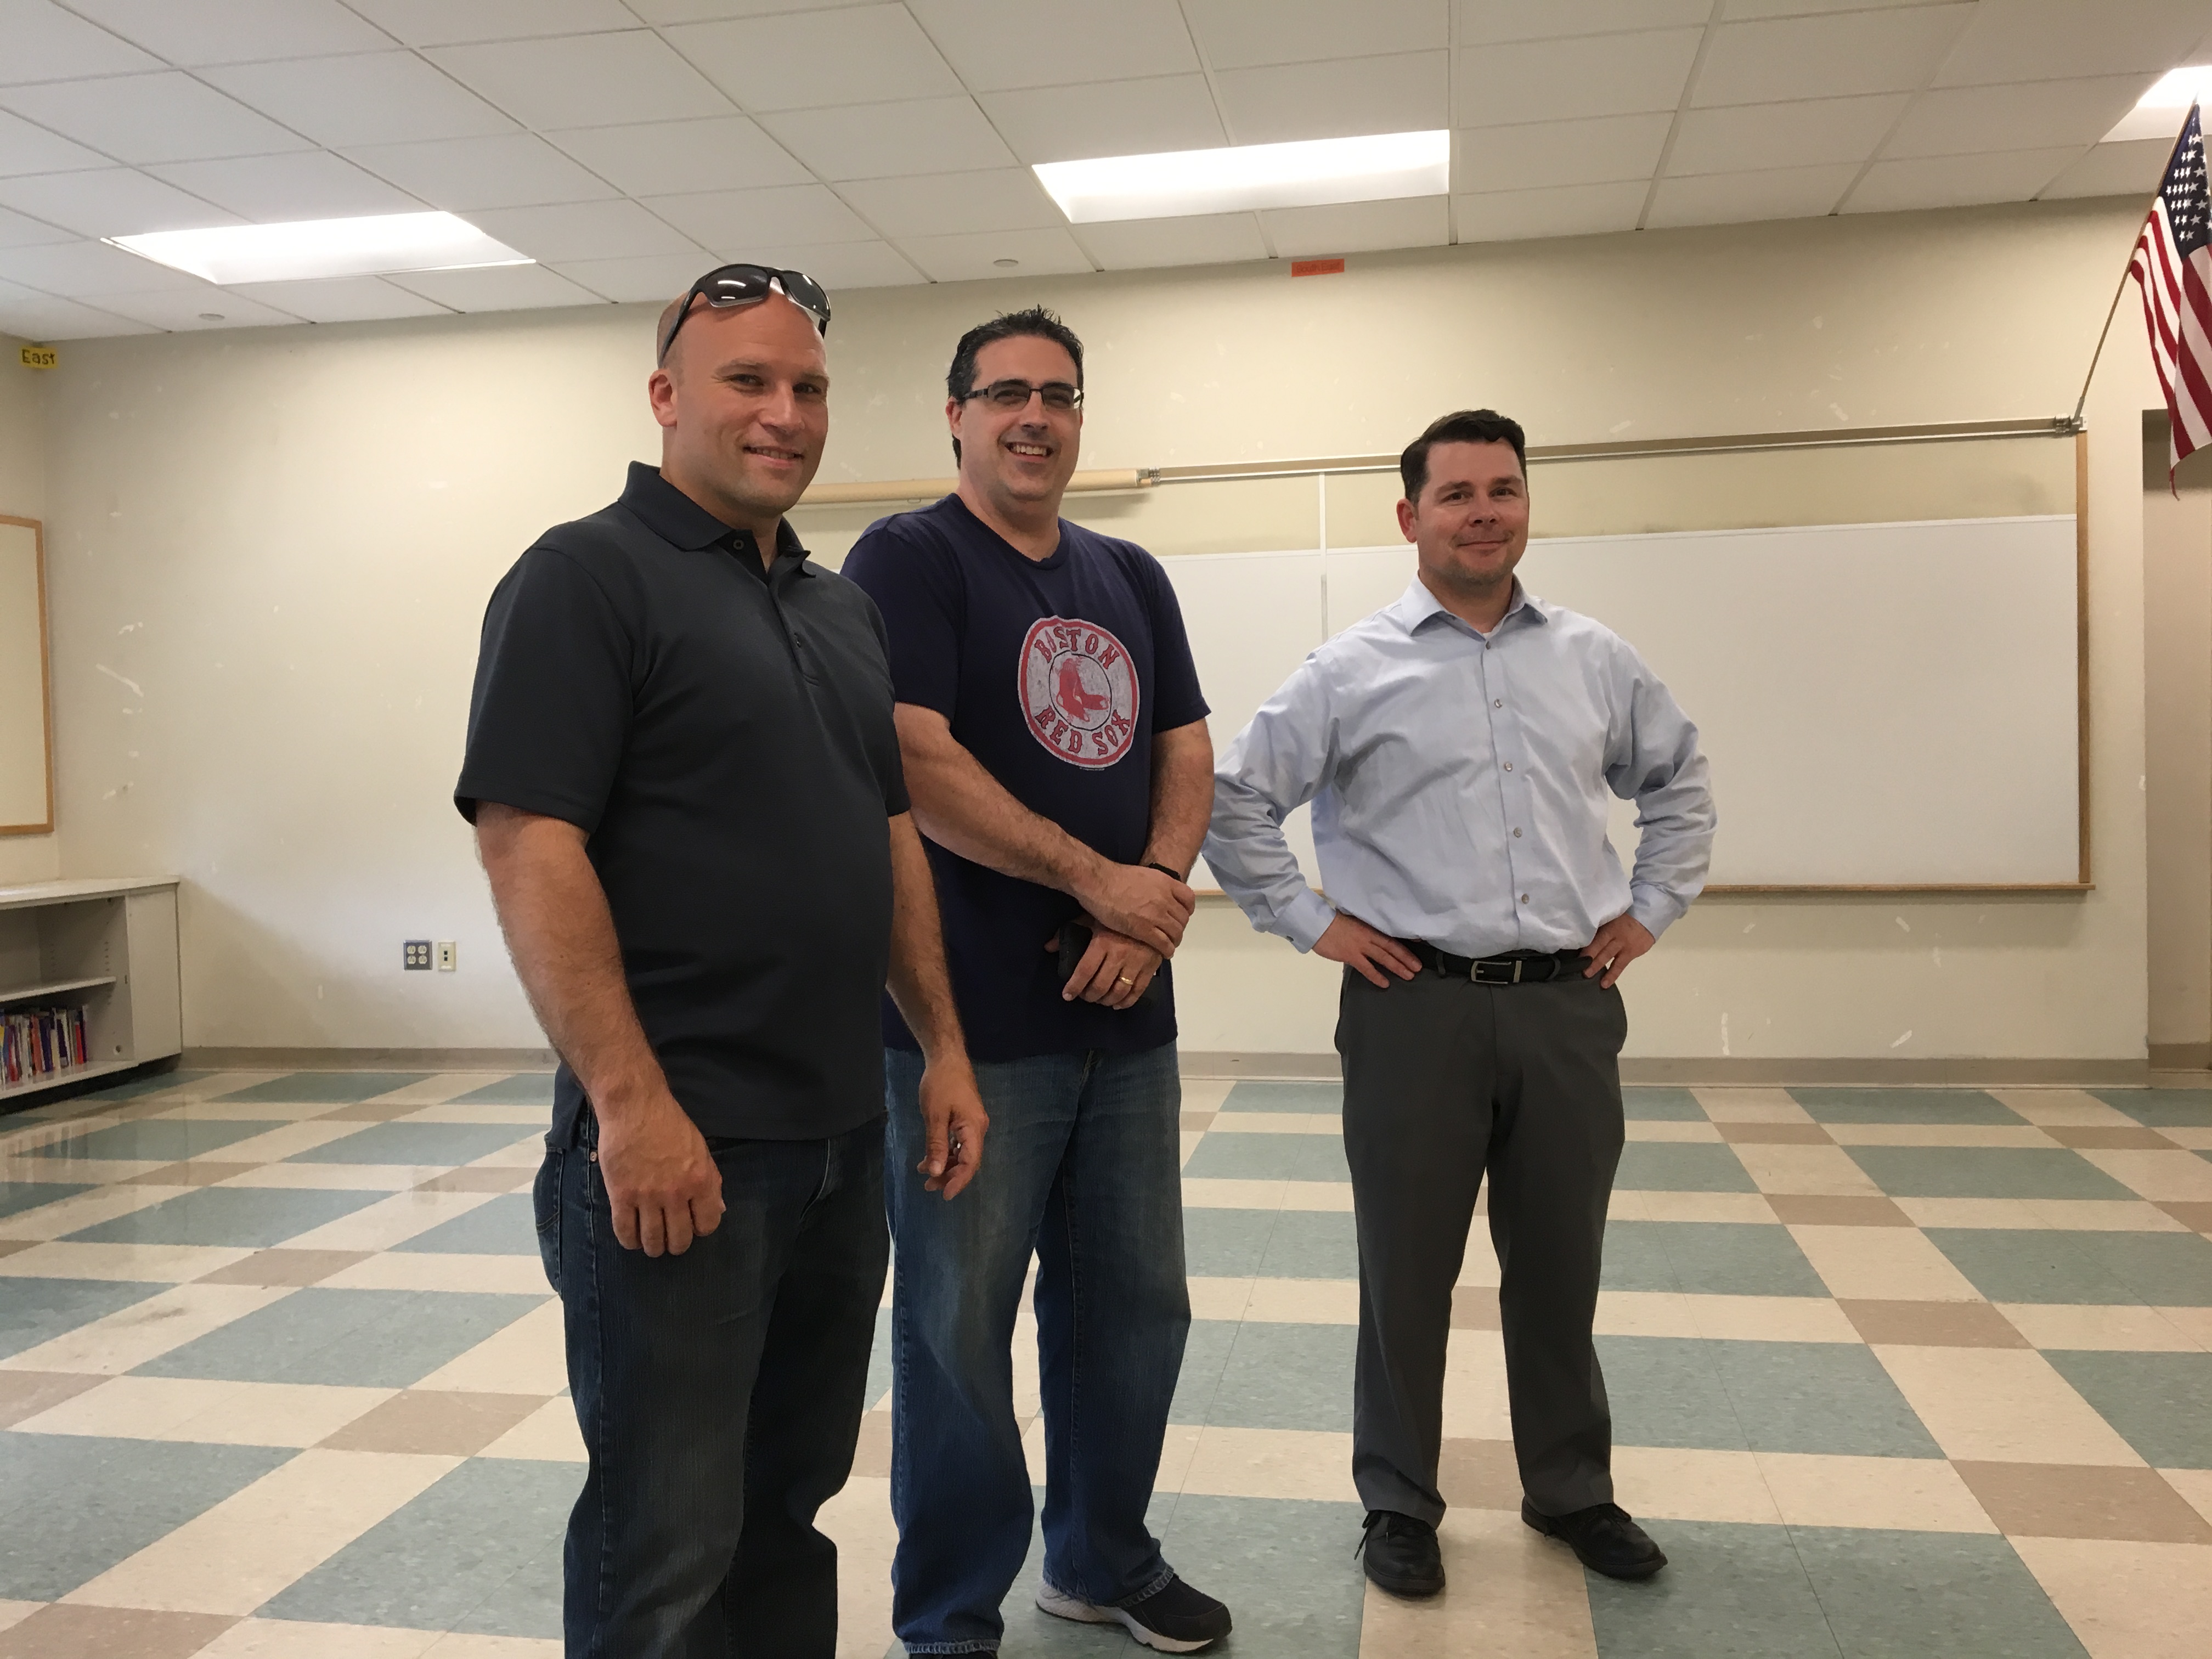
1882	705
25	762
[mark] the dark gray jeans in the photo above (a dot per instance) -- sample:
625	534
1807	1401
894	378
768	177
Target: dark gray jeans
1444	1080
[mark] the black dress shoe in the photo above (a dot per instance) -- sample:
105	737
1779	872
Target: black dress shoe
1603	1536
1400	1554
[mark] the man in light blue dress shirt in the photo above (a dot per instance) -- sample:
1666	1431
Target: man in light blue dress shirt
1459	747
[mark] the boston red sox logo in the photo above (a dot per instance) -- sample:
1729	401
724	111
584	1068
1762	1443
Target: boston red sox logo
1079	691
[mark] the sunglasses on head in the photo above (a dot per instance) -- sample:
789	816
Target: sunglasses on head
748	285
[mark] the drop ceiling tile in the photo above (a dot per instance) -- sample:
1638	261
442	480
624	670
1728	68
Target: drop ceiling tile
587	230
1205	239
1240	33
1118	117
584	80
2124	169
1567	80
19	230
1739	10
1359	227
1970	120
371	98
652	278
496	288
460	174
1508	216
304	185
1407	92
672	158
1809	133
1895	50
810	60
1941	181
448	23
1486	22
26	147
46	43
708	11
235	31
341	300
2163	124
40	316
1732	199
965	258
729	221
110	202
998	45
197	310
1545	153
947	204
2043	39
878	141
168	117
844	265
82	269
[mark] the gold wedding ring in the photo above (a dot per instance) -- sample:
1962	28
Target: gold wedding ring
1125	980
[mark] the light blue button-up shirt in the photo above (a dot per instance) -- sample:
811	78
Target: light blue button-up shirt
1459	784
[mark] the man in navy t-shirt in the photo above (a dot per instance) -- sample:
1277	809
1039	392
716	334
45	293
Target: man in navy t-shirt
1055	749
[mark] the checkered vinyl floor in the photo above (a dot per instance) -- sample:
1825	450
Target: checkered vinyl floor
1895	1372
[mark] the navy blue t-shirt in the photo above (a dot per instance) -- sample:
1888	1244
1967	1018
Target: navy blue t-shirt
1054	674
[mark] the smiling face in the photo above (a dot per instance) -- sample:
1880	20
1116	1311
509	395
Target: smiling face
1018	459
744	406
1471	523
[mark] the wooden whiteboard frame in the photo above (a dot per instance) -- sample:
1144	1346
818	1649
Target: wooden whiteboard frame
46	677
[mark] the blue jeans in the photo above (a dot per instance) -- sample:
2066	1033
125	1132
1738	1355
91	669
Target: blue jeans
1083	1167
720	1394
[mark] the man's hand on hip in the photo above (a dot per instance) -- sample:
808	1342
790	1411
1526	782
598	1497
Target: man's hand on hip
1114	971
1619	943
954	1123
1353	942
1150	907
662	1183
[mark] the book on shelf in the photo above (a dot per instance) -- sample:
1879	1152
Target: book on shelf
38	1044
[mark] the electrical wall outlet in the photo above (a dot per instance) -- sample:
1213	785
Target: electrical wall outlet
417	956
449	955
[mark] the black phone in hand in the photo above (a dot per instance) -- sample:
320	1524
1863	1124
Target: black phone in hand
1074	940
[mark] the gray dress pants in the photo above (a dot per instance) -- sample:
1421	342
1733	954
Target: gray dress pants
1444	1080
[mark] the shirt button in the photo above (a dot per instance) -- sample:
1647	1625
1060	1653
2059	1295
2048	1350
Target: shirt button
1517	835
1524	898
1497	702
1508	766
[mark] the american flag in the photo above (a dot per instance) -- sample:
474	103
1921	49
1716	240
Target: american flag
2174	263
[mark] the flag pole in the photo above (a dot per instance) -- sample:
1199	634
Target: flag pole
2126	272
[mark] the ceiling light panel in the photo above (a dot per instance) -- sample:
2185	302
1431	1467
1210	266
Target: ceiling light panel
325	247
1315	172
2158	112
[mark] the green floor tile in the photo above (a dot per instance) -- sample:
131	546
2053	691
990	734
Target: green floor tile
1287	1377
1904	1106
1729	1592
1707	1258
1285	1098
17	1196
1667	1391
237	1216
1649	1105
2169	1270
1205	1355
1225	1243
1985	1172
1676	1166
1283	1567
523	1089
2161	1108
2160	1403
163	1138
1268	1157
327	1088
35	1310
1830	1397
1914	1595
146	1083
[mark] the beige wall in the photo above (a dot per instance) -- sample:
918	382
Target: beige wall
272	548
23	495
2177	748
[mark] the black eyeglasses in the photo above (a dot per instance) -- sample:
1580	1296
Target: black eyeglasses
748	285
1016	394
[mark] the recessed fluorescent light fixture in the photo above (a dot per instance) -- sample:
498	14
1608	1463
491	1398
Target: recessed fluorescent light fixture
1312	172
2158	114
309	248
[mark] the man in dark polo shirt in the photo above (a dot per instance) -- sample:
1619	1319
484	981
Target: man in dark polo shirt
1055	742
685	780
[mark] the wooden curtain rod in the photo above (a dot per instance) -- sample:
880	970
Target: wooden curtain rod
1146	477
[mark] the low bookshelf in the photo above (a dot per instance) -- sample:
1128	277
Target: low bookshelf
107	946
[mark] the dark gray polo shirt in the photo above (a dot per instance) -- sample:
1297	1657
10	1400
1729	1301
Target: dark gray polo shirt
724	737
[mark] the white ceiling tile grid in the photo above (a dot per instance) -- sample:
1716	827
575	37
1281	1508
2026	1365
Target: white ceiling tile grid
626	145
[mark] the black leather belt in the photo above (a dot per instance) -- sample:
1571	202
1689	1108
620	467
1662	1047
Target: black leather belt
1514	968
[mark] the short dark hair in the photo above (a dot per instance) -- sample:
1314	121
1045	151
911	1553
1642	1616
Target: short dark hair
1035	322
1461	426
